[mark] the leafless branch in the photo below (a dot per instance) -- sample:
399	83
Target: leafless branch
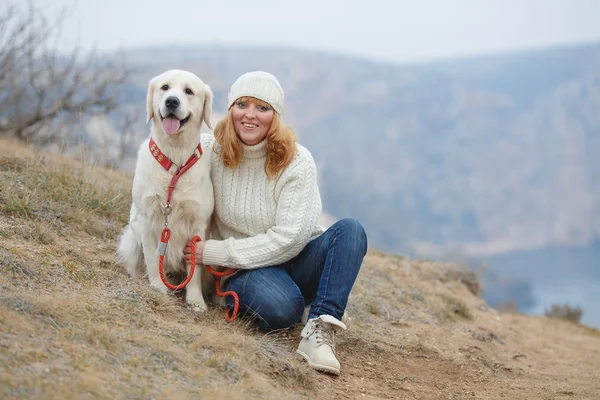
38	83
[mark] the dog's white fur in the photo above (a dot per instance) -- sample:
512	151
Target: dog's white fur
192	199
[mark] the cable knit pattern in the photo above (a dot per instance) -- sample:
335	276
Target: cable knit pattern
257	222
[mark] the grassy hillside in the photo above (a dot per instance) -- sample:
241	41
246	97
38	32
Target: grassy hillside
73	325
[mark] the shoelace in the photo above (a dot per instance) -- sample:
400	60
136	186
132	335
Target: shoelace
324	335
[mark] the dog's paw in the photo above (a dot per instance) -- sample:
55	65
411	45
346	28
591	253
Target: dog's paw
196	303
198	307
160	287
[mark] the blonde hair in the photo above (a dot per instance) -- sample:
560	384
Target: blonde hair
281	141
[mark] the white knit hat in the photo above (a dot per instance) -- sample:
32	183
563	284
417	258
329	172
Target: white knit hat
258	84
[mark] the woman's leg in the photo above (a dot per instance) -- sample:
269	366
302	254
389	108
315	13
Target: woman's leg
269	294
325	272
326	269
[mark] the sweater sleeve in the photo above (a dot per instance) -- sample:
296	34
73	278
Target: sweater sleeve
297	215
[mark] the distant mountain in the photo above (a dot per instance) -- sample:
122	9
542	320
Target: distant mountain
475	156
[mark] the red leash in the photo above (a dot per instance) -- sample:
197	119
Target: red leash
236	300
166	233
164	239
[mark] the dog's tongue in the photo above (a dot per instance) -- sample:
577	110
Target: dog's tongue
171	125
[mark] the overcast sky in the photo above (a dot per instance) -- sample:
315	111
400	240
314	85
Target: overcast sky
393	30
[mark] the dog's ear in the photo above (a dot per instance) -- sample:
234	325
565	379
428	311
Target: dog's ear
207	110
150	100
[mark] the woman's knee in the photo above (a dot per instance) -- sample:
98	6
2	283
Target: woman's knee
268	294
281	313
354	232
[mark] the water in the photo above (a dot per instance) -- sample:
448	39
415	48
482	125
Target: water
539	278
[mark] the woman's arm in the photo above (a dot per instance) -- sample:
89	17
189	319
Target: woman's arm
297	215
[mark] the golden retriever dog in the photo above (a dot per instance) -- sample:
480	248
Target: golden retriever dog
178	103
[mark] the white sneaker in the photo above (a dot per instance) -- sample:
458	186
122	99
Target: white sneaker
318	343
345	318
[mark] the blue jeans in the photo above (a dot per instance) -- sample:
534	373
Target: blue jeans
321	275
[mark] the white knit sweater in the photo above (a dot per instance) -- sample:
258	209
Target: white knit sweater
259	222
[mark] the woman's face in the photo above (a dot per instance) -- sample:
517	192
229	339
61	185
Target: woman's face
251	120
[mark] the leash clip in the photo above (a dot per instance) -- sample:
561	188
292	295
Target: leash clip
166	212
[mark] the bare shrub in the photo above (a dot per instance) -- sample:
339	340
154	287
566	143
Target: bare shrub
565	311
509	306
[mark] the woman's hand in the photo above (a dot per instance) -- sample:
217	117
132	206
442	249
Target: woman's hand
188	252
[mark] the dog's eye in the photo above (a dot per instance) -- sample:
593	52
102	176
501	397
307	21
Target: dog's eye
189	91
165	87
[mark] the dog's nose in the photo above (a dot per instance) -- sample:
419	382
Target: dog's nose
172	102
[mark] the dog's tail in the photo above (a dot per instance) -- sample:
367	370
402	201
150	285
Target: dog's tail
129	252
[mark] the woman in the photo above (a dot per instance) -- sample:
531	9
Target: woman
265	223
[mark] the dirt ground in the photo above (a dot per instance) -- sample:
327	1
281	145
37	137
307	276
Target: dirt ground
74	326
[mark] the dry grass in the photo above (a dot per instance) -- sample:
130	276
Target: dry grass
58	193
73	325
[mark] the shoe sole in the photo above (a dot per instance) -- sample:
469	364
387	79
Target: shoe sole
319	367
